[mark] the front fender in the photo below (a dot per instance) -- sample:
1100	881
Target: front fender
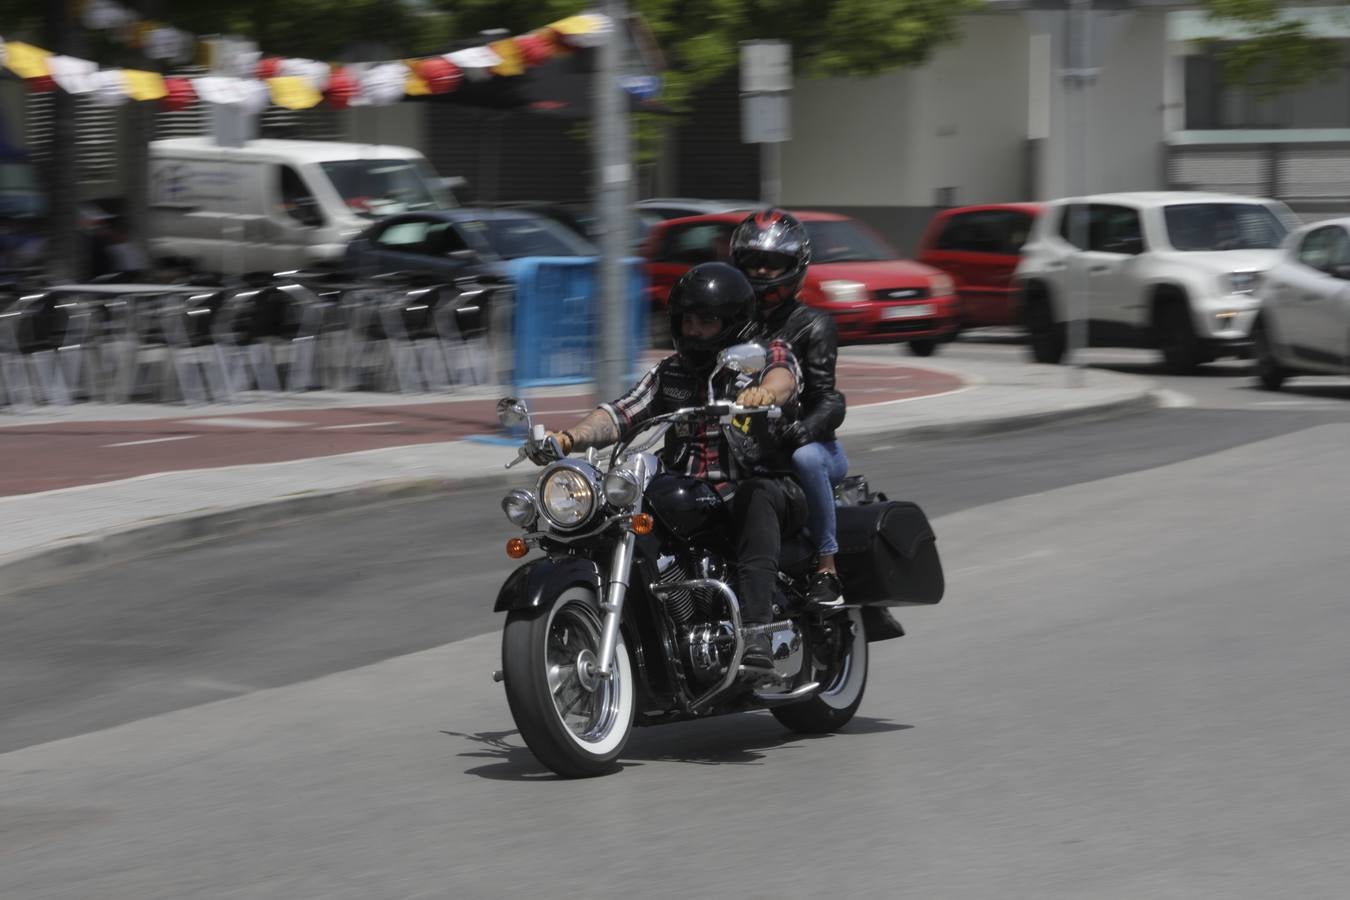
540	580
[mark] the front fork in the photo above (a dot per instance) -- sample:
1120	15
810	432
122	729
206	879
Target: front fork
620	566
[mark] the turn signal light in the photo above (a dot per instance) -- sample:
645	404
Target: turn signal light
643	523
516	548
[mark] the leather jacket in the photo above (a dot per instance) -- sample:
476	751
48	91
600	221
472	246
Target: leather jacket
815	342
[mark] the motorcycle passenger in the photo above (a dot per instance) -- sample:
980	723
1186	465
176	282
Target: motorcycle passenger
773	249
712	307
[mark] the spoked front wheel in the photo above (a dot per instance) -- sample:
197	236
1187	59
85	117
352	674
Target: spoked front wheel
839	663
574	722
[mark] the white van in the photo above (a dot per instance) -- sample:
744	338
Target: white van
274	205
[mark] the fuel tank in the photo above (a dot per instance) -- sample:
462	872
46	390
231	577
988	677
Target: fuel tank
689	508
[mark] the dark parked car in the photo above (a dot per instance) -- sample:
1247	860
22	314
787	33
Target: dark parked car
455	242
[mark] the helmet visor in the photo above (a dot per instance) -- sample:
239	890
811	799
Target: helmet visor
764	263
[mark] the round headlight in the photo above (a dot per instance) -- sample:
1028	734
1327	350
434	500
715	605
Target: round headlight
567	497
520	508
621	488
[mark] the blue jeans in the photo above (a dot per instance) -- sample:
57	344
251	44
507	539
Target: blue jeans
819	468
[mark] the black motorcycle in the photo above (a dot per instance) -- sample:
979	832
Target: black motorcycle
631	617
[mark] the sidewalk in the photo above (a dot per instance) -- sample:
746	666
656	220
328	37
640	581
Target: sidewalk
319	452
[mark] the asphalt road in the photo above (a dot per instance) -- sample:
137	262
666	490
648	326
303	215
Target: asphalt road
1136	687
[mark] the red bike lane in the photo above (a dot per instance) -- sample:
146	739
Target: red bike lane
68	454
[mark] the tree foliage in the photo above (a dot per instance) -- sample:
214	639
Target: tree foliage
1279	50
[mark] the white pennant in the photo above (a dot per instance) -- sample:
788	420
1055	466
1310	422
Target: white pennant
383	83
475	61
110	88
316	73
232	91
101	15
74	76
164	43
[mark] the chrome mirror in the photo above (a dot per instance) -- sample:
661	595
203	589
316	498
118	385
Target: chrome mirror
512	411
748	359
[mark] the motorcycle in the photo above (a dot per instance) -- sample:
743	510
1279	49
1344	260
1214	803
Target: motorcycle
631	618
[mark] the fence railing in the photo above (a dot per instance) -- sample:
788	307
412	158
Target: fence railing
200	343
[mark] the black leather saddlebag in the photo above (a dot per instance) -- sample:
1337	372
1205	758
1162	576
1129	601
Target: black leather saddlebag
888	555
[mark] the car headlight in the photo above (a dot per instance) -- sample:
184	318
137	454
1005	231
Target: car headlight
621	487
1240	282
844	291
941	286
520	508
567	497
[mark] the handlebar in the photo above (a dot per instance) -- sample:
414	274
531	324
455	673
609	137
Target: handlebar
723	412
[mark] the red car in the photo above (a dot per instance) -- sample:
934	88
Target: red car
873	294
978	246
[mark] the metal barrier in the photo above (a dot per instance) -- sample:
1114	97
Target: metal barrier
557	320
199	343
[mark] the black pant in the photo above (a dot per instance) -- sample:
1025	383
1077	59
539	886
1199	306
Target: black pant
763	510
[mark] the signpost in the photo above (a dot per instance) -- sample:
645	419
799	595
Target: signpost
766	95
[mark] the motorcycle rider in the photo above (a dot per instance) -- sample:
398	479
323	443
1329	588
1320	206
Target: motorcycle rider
712	307
773	249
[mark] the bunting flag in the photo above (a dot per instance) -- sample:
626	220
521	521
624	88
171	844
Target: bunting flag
293	92
244	77
26	61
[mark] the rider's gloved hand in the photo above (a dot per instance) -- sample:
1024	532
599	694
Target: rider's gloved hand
795	435
755	396
554	446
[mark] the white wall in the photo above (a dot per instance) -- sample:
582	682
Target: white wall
958	121
963	119
1124	121
850	142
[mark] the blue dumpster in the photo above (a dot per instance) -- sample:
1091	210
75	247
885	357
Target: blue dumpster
557	319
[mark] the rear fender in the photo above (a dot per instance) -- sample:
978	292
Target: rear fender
540	580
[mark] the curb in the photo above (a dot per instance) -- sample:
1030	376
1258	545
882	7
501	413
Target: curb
28	569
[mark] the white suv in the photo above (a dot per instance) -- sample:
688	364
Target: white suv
1174	271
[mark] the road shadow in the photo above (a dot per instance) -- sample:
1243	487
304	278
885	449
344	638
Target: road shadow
994	335
731	740
1309	390
1207	370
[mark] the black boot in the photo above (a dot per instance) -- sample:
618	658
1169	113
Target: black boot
758	649
825	591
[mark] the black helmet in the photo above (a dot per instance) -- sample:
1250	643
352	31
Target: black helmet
772	239
712	289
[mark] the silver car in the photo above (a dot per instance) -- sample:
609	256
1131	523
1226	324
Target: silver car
1303	325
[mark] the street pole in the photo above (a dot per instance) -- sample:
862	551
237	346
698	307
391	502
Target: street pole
771	168
614	176
1079	75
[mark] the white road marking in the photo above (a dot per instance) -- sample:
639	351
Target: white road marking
231	422
177	437
358	425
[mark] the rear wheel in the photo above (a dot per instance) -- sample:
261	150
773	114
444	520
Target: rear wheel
840	663
925	347
1268	370
1044	334
573	722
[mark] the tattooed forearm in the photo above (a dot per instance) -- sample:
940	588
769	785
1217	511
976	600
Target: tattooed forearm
596	430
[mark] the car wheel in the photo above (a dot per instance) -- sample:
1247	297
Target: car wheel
926	347
1044	335
1268	370
1177	340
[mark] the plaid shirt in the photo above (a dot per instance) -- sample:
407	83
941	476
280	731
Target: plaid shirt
698	449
